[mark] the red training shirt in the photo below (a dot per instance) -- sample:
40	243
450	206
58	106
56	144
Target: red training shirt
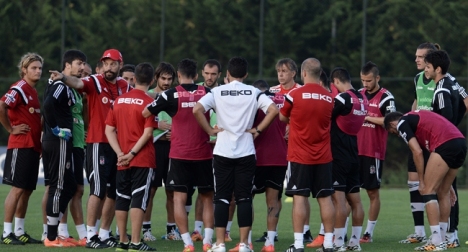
279	89
101	95
130	124
23	108
309	109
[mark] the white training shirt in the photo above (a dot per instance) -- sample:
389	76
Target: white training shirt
236	105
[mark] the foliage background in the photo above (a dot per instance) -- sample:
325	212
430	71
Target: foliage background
200	29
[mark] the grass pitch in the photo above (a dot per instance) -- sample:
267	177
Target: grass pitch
394	223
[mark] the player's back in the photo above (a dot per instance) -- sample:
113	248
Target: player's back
235	106
127	111
309	122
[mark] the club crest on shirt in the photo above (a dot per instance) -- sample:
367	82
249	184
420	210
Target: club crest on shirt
67	165
31	110
30	98
105	100
372	169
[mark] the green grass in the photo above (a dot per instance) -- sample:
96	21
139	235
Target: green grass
394	223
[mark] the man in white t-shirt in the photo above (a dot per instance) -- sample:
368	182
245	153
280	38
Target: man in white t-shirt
234	154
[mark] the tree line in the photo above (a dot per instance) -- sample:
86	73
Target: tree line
170	30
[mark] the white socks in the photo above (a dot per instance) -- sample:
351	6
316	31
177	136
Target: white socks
8	228
19	226
198	226
63	230
208	235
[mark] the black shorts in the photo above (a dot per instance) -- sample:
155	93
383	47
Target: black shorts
371	172
57	159
78	161
101	167
234	175
353	182
269	176
21	168
340	171
305	179
133	188
411	165
185	174
52	154
453	152
162	149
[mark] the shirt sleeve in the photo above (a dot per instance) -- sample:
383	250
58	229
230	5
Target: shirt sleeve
151	122
13	97
387	103
161	103
461	91
263	102
207	101
442	103
89	85
342	105
110	119
287	105
407	127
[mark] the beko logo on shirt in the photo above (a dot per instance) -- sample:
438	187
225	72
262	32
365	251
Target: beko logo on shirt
130	101
235	92
188	104
189	93
359	112
316	96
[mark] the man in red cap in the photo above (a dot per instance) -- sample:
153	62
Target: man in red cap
102	90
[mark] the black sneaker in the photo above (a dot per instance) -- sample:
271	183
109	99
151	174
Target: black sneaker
140	247
28	239
292	248
264	236
12	240
322	249
96	243
308	237
122	246
111	242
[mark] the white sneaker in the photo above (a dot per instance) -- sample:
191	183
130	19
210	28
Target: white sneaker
174	235
414	238
147	236
217	248
431	247
244	248
341	248
44	236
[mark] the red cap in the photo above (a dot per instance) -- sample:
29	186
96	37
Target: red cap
112	54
